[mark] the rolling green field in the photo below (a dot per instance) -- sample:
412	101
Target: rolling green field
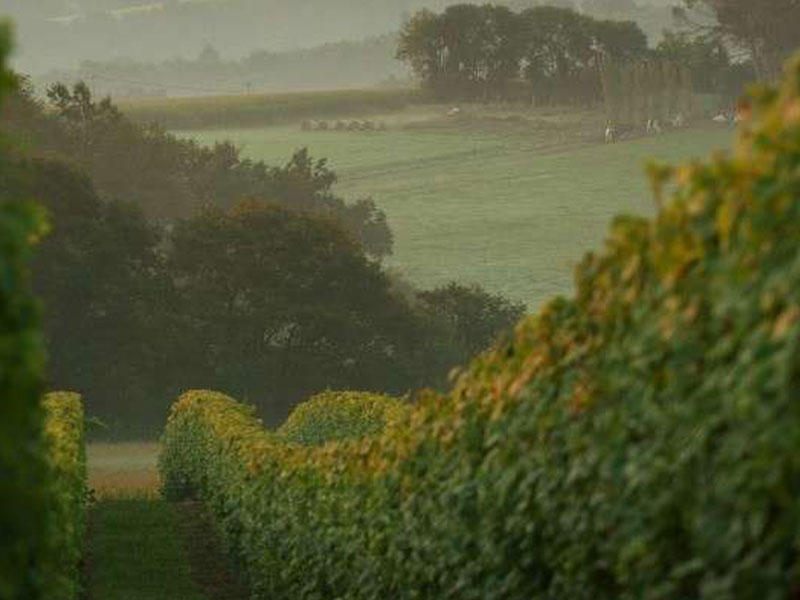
511	210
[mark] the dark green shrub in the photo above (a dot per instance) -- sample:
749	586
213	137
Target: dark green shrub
23	493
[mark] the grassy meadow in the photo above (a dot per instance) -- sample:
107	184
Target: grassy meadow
509	202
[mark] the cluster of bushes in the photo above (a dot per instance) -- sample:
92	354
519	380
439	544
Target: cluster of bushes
260	301
637	441
67	513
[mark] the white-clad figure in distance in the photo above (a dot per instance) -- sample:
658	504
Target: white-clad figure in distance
611	133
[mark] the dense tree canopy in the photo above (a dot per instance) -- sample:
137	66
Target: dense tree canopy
170	264
489	52
277	299
172	178
106	297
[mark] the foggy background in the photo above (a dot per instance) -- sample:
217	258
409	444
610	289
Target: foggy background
190	47
273	198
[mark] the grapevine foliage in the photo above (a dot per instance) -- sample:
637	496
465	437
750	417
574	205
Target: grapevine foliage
23	490
636	441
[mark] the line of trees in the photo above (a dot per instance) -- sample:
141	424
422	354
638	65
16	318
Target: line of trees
554	54
637	92
489	52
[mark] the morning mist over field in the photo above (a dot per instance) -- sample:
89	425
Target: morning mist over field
156	32
399	299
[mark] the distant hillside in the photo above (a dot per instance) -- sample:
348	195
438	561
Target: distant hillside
108	29
340	65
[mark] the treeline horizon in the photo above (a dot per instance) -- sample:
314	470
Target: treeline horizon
545	54
556	55
347	64
148	32
173	29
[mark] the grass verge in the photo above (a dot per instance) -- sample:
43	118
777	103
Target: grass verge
138	554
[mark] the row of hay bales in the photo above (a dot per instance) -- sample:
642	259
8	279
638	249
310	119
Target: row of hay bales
352	125
639	440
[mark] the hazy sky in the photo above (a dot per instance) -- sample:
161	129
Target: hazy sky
62	33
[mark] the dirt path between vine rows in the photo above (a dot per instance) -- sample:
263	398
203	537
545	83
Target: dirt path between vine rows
211	570
141	547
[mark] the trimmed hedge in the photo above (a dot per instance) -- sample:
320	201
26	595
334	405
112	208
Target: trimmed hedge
198	422
336	416
23	490
66	454
638	441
